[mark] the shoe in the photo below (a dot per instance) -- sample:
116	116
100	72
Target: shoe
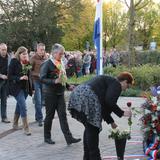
40	123
5	120
73	140
49	141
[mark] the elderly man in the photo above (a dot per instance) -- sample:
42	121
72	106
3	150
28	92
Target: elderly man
4	61
36	60
53	77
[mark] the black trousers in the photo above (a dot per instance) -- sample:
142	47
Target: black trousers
3	100
91	142
56	103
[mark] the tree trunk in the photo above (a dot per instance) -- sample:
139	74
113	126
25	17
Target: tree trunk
131	27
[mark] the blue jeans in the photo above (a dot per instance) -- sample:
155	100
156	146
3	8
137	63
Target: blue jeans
21	107
38	100
3	99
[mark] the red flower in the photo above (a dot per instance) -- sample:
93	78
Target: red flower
25	62
129	104
153	107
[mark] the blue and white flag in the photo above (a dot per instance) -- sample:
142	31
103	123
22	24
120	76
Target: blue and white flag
98	37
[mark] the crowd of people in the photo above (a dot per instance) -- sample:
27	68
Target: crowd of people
45	76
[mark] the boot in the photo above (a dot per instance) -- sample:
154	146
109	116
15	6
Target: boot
73	140
25	126
15	122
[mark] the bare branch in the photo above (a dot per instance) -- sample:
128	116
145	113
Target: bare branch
127	4
142	6
138	3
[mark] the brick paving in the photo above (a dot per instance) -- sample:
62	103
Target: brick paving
14	145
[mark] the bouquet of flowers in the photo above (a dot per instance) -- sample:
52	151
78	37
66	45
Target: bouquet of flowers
118	134
26	66
151	127
121	136
61	71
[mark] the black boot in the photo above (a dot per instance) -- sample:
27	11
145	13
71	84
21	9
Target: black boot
73	140
49	141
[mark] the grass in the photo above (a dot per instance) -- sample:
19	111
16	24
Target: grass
132	92
79	80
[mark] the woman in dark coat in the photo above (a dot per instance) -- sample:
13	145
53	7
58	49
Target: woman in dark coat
95	100
20	86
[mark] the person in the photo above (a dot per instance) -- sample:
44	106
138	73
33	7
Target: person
4	61
114	57
53	78
20	86
95	100
36	60
87	63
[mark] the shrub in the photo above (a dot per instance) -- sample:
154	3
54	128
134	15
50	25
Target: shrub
144	75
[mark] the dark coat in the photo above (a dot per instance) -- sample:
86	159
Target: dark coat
15	84
48	75
108	90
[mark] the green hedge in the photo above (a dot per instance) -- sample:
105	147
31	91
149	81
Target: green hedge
145	57
145	75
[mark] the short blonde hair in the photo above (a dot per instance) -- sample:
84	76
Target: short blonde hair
19	51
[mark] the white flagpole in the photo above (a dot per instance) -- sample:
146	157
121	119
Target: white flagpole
101	38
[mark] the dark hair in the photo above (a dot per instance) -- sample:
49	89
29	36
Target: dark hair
126	76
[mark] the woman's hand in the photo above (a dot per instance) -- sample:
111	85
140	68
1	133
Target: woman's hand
113	125
58	80
71	87
24	77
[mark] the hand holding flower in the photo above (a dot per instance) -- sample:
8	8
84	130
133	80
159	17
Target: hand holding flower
114	125
24	78
71	87
58	80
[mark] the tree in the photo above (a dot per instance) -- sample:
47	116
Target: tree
114	23
79	28
147	18
133	7
24	22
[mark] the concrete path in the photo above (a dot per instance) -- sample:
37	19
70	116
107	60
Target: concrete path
14	145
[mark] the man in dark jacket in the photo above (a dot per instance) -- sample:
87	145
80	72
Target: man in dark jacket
53	77
4	60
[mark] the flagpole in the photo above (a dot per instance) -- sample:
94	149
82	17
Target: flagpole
101	38
97	37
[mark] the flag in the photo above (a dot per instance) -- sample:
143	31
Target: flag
97	37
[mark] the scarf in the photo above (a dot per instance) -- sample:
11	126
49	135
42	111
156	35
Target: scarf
62	72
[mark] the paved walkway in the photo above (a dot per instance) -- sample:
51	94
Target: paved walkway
14	145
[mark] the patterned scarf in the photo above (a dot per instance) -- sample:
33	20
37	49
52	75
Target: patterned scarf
62	72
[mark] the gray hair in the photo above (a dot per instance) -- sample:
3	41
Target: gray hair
57	48
3	44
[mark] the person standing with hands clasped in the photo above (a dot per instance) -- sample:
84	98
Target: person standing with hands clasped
53	78
95	100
